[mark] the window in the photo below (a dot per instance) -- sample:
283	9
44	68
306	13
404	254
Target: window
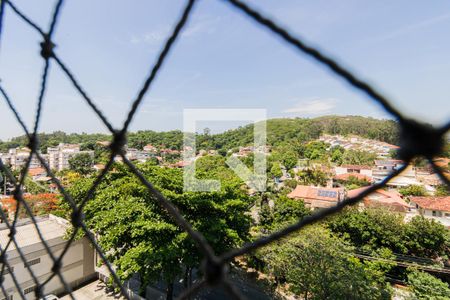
32	262
434	213
29	290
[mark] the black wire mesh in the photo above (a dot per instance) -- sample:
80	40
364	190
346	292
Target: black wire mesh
416	139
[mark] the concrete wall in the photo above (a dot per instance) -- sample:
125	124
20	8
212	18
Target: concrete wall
77	267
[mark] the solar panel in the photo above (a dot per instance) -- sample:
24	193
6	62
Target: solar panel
329	194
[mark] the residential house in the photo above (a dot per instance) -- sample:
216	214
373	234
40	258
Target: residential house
437	208
391	200
37	174
350	176
318	197
150	148
354	169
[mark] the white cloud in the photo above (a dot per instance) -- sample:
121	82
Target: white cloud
202	25
313	106
411	28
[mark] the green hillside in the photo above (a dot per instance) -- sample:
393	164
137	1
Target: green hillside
279	131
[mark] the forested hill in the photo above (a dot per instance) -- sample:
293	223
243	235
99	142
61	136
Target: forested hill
279	131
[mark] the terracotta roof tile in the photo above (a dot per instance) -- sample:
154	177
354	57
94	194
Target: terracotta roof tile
433	203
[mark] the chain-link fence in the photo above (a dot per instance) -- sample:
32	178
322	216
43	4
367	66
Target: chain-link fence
416	139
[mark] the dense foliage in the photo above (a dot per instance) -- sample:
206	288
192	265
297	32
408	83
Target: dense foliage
376	228
279	131
142	238
427	287
318	265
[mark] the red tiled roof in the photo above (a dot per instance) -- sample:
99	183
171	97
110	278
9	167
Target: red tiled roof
359	176
315	193
381	198
432	203
387	194
356	167
36	171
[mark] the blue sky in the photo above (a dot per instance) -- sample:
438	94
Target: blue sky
224	60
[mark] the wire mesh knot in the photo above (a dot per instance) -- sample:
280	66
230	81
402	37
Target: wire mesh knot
33	142
215	271
418	139
12	232
47	47
118	144
17	194
56	266
77	218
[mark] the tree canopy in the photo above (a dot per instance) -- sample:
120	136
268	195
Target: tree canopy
140	237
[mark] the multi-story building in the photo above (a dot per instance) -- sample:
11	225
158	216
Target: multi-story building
17	157
77	264
58	157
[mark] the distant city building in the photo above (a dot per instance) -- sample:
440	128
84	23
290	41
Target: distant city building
17	157
59	156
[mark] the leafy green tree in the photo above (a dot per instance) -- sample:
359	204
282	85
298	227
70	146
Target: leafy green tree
317	265
442	190
275	171
285	211
288	158
81	163
316	150
357	157
336	156
426	237
371	228
313	176
427	287
413	190
140	237
353	182
33	187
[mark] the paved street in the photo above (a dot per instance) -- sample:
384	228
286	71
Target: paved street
94	291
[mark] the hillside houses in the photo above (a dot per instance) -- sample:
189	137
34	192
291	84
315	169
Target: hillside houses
382	149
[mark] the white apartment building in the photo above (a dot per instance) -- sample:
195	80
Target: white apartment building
17	157
58	157
77	264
